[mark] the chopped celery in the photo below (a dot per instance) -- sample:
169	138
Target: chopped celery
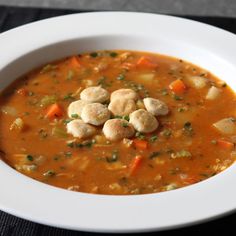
59	132
48	100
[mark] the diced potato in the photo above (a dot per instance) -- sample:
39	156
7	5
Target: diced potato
213	93
18	124
225	126
146	78
198	82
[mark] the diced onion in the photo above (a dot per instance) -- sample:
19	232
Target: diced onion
213	93
225	126
198	82
18	124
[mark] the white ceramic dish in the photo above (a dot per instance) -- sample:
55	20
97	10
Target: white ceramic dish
34	44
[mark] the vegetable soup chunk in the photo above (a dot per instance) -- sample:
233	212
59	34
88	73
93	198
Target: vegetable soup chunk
118	122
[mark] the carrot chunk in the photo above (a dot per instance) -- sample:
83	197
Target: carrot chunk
225	144
74	62
178	86
54	111
146	62
140	144
135	164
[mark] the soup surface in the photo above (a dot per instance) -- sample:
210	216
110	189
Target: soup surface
182	133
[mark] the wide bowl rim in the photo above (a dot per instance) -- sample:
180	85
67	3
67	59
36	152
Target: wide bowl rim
119	207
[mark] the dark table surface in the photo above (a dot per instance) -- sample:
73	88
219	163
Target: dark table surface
11	17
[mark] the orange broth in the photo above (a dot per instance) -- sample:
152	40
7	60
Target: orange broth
185	149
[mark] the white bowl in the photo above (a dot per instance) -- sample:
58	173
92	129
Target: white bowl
29	46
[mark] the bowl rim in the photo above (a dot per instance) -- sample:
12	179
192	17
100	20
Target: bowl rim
116	211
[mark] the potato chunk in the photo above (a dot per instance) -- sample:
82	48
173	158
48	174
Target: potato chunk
213	93
225	126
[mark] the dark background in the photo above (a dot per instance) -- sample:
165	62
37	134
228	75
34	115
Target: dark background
11	17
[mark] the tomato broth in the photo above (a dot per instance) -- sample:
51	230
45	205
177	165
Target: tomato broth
195	140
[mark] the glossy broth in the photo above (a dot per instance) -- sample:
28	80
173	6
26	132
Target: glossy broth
185	149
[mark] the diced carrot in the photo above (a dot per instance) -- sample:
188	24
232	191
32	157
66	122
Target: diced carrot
74	62
178	86
54	111
146	62
22	91
135	164
140	144
225	144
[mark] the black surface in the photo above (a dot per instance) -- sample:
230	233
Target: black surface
12	226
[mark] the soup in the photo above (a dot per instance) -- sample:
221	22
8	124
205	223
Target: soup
118	122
